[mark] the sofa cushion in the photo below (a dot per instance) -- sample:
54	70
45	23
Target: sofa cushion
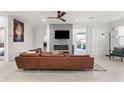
51	55
77	55
118	49
43	53
29	54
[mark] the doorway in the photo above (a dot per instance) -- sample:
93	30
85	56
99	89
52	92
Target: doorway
2	42
80	42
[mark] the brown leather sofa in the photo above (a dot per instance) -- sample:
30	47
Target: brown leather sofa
54	61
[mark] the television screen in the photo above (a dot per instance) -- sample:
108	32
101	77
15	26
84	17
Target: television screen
61	34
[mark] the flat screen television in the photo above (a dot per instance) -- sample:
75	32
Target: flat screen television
61	34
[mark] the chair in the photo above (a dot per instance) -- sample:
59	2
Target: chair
119	52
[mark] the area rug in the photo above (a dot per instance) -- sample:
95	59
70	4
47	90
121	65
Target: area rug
98	67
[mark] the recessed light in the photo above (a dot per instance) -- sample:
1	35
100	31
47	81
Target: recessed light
43	20
76	19
91	17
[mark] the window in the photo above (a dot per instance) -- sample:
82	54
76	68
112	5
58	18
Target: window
121	35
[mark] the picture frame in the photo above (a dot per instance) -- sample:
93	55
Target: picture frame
18	31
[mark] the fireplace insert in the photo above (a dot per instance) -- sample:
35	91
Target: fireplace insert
60	47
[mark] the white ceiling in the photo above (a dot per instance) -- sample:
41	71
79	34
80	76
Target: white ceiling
35	17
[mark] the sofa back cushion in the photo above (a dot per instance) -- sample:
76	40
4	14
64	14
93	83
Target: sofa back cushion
77	55
51	55
44	53
118	49
29	54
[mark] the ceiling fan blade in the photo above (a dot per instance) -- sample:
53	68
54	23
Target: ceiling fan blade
58	13
63	19
51	17
62	14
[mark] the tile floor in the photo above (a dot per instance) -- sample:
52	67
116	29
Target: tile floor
114	73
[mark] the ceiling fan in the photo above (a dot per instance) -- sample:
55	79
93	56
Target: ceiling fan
59	16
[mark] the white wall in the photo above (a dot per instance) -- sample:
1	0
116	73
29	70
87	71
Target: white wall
48	37
17	47
33	38
114	39
41	32
54	41
97	44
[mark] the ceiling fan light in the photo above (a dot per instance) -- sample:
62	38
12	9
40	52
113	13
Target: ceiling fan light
43	20
91	17
77	20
